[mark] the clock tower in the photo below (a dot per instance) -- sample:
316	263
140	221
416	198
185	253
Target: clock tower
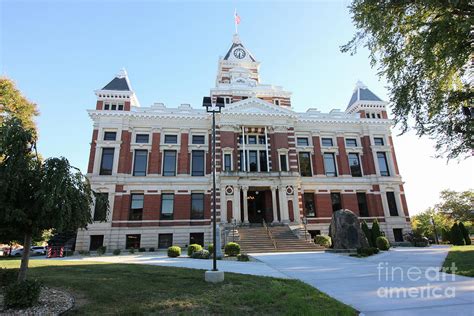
238	78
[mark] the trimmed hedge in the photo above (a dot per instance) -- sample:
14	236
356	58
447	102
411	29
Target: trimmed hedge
141	249
323	240
174	251
243	257
201	254
368	251
232	249
465	233
152	249
116	252
193	248
101	250
22	294
382	243
210	248
375	232
367	232
457	237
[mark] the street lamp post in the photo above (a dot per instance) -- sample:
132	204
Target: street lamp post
214	275
434	228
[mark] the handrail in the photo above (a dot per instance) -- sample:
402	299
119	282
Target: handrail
269	233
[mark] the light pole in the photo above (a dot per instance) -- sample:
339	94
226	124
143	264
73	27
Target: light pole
214	275
434	227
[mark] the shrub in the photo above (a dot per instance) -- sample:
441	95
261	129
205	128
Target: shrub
367	233
243	257
201	254
456	236
117	252
375	232
323	240
152	249
193	248
367	251
8	276
210	248
465	233
84	252
445	235
141	249
382	243
101	250
232	249
417	239
22	294
174	251
131	250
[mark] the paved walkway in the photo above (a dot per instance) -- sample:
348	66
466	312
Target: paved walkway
367	284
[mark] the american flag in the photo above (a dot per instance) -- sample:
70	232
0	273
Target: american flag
236	17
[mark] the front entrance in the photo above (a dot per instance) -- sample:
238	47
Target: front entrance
256	206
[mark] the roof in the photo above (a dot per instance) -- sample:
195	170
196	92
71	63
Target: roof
118	84
362	93
236	43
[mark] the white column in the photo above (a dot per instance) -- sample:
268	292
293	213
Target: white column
285	218
246	207
223	199
274	205
236	204
266	148
386	210
244	155
296	206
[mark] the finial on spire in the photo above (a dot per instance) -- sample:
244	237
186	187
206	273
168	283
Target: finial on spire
360	84
122	73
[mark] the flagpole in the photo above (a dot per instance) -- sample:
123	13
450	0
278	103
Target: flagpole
235	22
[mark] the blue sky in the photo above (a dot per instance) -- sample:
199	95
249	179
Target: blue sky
58	53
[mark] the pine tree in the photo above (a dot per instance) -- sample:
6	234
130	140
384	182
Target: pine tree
367	233
446	235
456	236
465	233
376	232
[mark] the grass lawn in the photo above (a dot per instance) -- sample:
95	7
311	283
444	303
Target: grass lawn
104	288
463	257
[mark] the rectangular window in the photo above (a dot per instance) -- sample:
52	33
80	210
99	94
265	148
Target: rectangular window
165	241
169	164
114	107
197	206
167	206
398	234
302	141
263	160
142	138
132	241
351	142
392	204
261	140
327	142
309	209
336	201
354	164
276	102
198	139
110	135
367	115
227	162
362	201
330	165
100	209
378	141
252	139
253	164
383	165
305	164
96	242
196	238
139	164
106	106
283	163
120	107
107	161
136	207
171	139
198	163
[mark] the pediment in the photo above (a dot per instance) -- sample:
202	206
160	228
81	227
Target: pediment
256	106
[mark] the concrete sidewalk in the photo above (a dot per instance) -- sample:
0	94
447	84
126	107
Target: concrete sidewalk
369	285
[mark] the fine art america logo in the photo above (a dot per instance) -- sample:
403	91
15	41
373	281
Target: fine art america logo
418	276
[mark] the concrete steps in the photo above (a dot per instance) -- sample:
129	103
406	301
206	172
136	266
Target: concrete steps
256	240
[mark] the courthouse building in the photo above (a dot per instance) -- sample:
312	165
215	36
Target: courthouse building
273	164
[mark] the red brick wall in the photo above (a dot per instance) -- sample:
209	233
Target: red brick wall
121	207
182	206
151	207
209	156
318	162
277	141
127	106
349	201
125	158
229	139
207	206
292	150
342	159
404	204
99	105
184	156
90	167
367	158
374	202
394	157
154	164
323	205
384	115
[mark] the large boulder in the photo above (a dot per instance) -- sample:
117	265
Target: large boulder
345	231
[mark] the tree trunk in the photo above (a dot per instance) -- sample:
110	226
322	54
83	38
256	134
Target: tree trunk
25	258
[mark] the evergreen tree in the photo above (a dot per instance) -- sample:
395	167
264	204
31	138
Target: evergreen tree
376	232
445	235
367	233
456	236
465	233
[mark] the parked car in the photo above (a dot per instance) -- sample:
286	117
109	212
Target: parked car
18	252
38	250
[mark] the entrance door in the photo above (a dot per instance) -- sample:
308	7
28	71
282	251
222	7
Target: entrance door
256	206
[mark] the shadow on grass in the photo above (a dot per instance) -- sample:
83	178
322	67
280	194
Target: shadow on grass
462	258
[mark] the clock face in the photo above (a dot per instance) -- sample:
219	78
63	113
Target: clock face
239	53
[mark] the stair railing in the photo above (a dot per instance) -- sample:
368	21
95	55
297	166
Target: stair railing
269	233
